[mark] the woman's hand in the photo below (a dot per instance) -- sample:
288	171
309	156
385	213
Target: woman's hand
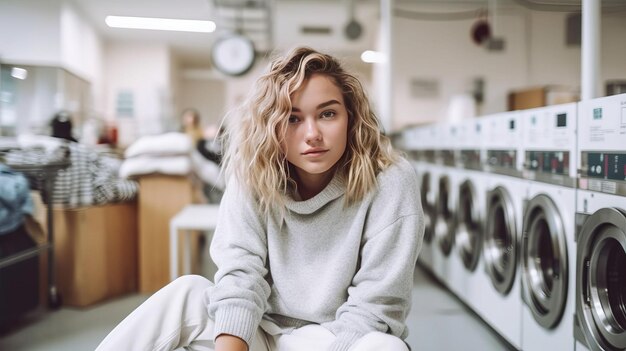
226	342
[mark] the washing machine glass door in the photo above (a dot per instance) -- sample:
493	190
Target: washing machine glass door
601	279
468	230
444	226
544	261
427	207
500	244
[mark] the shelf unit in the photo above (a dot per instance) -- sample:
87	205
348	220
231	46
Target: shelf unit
41	177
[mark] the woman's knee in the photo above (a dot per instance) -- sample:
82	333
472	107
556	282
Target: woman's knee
190	282
377	341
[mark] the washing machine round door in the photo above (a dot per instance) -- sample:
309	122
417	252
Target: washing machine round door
429	216
601	279
544	261
444	225
500	243
468	237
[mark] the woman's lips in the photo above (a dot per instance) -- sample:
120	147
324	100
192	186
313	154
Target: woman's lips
315	152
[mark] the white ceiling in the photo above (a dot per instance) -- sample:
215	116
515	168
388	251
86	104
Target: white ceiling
190	47
193	49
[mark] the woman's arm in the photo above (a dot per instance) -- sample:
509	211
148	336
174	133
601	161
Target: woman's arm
239	249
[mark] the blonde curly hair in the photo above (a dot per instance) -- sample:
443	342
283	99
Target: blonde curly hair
254	153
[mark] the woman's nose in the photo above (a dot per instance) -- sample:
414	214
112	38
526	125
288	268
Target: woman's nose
312	131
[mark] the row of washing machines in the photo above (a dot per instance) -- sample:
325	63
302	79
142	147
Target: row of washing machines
526	220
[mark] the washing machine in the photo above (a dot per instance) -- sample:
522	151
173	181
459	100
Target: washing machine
440	195
447	183
418	144
548	251
440	190
501	305
469	273
601	225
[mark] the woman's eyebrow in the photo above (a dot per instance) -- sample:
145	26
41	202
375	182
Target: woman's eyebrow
328	103
322	105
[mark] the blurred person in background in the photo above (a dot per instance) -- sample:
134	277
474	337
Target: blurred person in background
61	125
192	125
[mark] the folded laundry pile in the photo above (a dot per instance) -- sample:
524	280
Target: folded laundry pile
165	154
90	177
172	154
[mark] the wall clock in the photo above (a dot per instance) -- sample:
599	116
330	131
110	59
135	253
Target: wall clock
233	54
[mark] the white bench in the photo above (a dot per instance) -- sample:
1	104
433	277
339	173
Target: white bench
190	218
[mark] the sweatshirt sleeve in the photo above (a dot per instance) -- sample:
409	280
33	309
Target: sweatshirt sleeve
239	249
379	298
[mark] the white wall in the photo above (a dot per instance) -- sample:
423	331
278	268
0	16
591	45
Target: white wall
205	95
551	61
237	89
443	52
144	71
289	17
176	94
51	33
37	100
212	93
613	47
81	52
30	32
535	54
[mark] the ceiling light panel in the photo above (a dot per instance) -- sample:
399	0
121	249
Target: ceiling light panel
168	24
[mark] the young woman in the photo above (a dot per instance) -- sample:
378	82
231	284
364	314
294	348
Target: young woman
319	230
191	122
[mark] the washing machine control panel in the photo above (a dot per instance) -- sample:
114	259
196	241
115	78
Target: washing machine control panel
554	162
604	172
502	158
428	156
605	165
550	139
446	157
602	145
503	162
422	155
503	144
470	159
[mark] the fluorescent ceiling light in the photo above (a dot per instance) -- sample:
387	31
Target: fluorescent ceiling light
160	24
19	73
370	56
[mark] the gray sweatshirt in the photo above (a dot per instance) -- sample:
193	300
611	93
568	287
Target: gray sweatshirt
349	269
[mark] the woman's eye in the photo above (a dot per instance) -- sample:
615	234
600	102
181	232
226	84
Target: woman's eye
293	119
328	114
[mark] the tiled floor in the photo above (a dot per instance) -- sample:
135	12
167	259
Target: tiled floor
438	321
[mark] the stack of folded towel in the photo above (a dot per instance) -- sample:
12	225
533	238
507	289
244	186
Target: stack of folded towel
171	154
165	154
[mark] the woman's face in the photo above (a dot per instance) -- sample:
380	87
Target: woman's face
318	129
189	119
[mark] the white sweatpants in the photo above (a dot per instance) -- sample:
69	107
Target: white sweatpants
176	316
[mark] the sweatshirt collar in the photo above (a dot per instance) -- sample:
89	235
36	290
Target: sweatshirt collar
335	189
